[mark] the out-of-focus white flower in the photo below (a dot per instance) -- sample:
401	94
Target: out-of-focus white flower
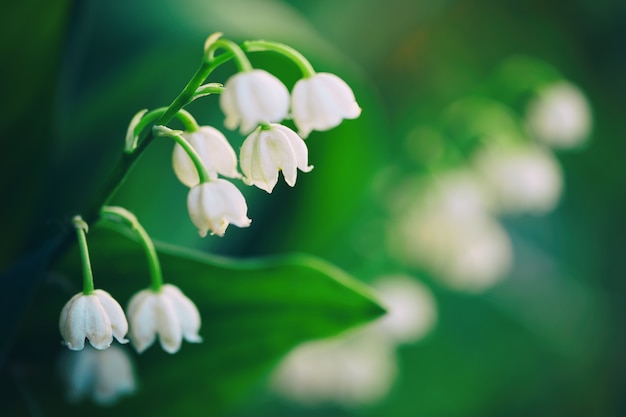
445	227
359	367
560	116
217	156
252	97
97	317
321	102
468	254
104	376
214	205
411	309
520	178
267	151
351	370
167	313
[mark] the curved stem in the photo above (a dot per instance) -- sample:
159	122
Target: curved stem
120	214
164	131
241	60
287	51
81	231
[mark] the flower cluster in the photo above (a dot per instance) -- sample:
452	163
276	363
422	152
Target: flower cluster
253	101
448	223
98	318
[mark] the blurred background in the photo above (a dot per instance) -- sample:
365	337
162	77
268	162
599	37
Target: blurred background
482	190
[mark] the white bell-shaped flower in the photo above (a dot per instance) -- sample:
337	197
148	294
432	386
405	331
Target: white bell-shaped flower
217	156
167	313
252	97
214	205
102	375
520	177
96	317
321	102
267	151
560	116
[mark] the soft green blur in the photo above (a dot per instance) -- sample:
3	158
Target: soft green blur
438	81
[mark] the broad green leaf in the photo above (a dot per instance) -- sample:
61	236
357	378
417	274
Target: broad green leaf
253	312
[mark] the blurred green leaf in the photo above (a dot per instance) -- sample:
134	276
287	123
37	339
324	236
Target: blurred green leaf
253	313
31	33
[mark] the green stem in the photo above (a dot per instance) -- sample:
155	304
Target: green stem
81	231
233	51
120	214
287	51
164	131
128	159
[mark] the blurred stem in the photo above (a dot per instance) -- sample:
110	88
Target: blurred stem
119	215
287	51
81	230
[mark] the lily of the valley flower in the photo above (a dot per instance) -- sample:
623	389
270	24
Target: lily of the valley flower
168	313
97	317
252	97
214	205
217	156
269	150
560	116
104	376
321	102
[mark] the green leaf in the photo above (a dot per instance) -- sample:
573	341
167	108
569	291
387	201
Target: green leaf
253	313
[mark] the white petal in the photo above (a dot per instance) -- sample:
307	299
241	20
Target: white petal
73	322
213	205
168	326
252	97
119	325
97	325
298	146
235	207
321	102
187	313
142	317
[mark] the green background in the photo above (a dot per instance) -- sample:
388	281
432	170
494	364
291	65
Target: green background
547	340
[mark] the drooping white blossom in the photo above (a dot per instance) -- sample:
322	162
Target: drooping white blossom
252	97
267	151
411	309
321	102
521	177
104	376
214	205
560	116
359	367
217	156
96	317
445	227
167	313
351	370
